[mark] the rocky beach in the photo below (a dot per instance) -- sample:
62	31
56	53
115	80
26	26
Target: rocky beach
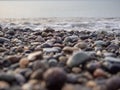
60	54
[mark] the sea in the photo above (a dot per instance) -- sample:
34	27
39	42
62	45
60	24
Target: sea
93	15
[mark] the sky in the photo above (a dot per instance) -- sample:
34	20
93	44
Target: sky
59	8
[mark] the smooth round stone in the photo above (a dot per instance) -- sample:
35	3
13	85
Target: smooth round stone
81	45
20	79
49	29
99	43
71	39
76	70
91	84
68	50
113	83
49	50
52	62
55	78
27	86
4	85
46	45
10	78
23	63
78	58
113	68
38	74
35	56
99	73
2	40
112	59
13	58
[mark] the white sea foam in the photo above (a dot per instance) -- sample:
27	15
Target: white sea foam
91	24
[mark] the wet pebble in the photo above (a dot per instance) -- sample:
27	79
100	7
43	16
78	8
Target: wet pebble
55	78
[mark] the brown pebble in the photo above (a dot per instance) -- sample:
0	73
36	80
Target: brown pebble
35	56
13	58
55	78
99	73
91	84
23	62
68	50
76	70
4	85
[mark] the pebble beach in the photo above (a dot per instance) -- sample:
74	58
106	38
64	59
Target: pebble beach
60	54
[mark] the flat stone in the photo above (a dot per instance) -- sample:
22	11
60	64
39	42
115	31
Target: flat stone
78	58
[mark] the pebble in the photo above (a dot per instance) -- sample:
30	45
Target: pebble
23	63
99	73
78	58
13	58
113	83
38	55
76	70
55	78
68	50
81	45
4	85
2	40
91	84
112	59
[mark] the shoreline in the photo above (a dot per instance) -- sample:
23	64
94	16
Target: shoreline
59	60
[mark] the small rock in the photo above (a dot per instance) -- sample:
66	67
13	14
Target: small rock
99	73
113	83
100	43
13	58
4	85
91	84
23	62
81	45
78	58
68	50
38	75
35	56
76	70
112	59
55	78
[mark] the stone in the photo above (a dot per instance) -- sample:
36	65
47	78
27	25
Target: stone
68	50
4	85
112	59
71	39
49	50
99	43
13	58
91	84
2	40
78	58
76	70
81	45
23	63
52	62
113	83
38	55
55	78
38	74
99	73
